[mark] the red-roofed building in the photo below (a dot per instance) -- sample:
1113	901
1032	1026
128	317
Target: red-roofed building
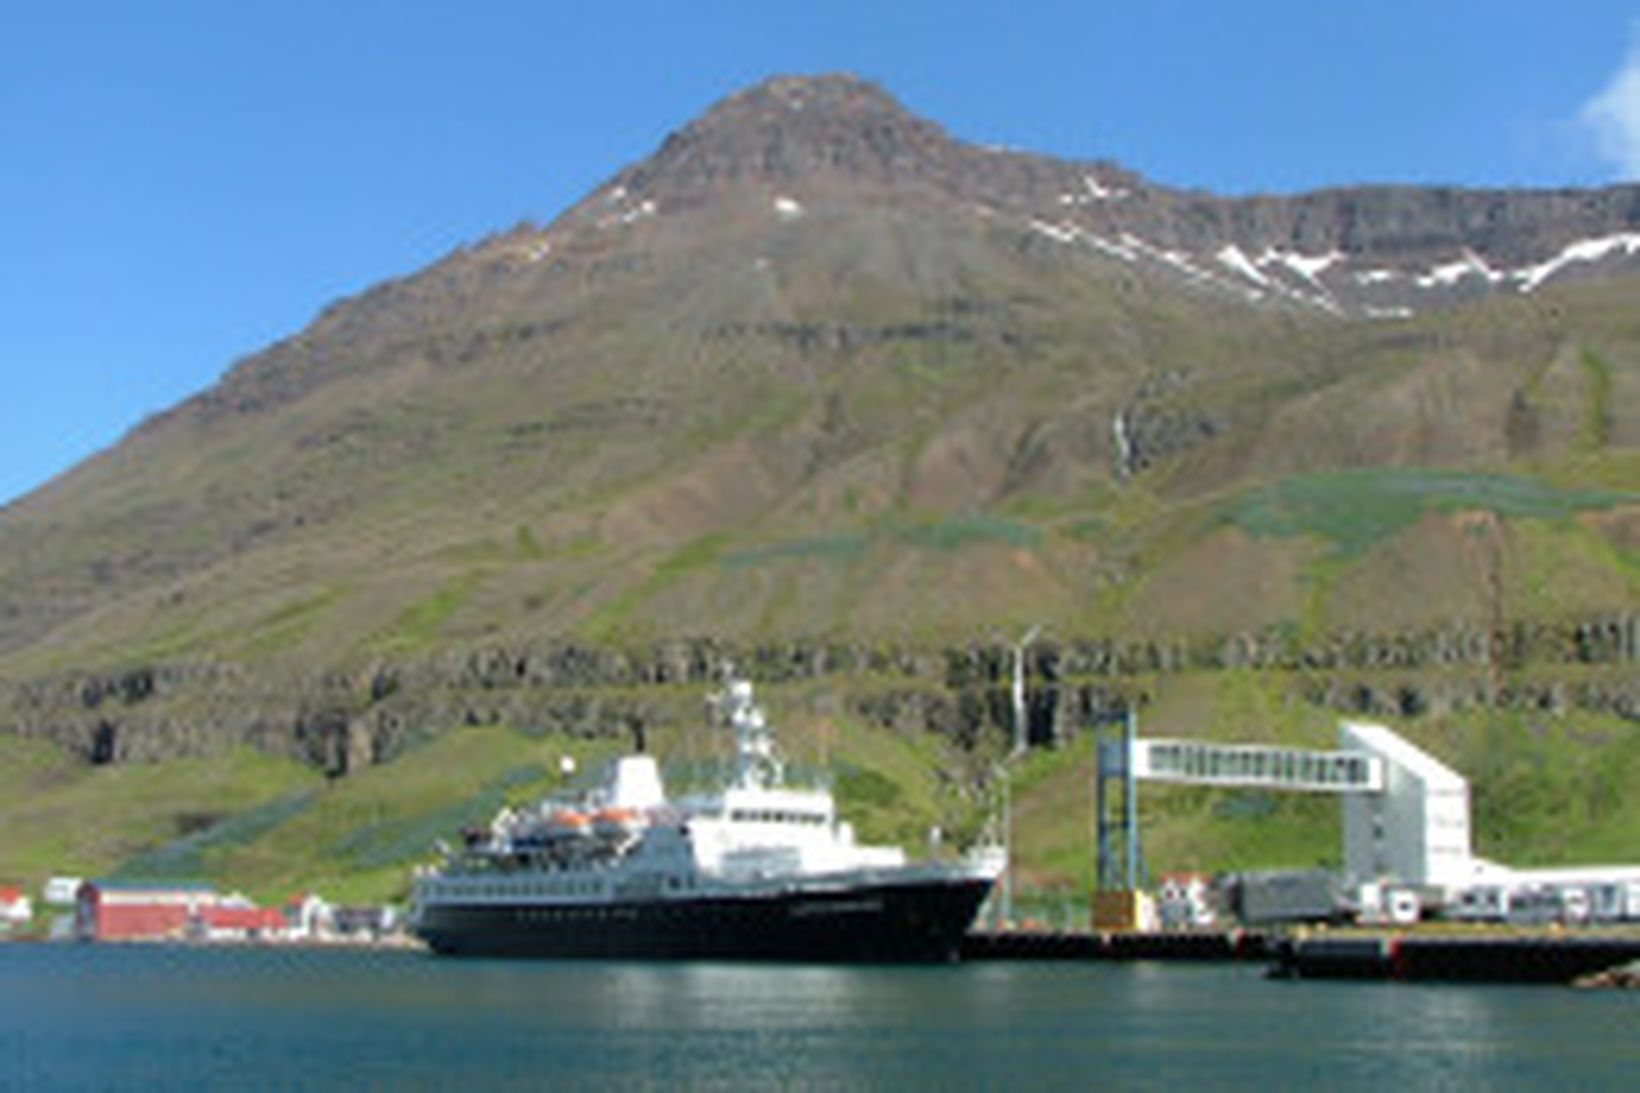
136	910
236	923
16	911
122	910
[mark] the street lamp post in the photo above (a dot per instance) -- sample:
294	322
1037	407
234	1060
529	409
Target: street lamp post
1005	912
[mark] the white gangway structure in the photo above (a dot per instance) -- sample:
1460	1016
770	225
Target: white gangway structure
1406	814
1406	820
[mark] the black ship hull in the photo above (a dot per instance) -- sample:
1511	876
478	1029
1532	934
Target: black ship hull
916	922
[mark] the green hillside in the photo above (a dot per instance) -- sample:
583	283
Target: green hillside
1547	790
529	500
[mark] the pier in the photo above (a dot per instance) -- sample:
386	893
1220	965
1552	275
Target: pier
1533	958
1195	945
1406	957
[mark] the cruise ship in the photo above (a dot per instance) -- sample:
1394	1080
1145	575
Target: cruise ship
758	870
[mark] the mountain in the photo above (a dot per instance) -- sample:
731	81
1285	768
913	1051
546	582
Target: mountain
1372	252
818	384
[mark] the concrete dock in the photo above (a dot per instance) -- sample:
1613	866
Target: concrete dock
1101	945
1408	957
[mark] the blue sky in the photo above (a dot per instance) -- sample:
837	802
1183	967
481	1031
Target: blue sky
182	183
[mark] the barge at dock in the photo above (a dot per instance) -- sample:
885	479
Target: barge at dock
1499	958
760	870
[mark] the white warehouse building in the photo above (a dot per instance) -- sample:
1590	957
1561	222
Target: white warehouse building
1415	831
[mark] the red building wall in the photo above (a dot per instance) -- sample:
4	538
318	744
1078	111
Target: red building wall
132	921
127	913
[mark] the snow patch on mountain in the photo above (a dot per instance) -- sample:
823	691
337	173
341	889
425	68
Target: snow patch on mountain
1308	266
1059	233
1233	257
1093	191
1469	265
1112	247
1325	280
641	211
1585	250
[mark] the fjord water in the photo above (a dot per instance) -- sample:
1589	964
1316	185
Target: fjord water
87	1017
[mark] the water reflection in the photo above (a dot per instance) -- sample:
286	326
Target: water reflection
718	996
99	1017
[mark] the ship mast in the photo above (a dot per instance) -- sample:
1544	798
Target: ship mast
757	762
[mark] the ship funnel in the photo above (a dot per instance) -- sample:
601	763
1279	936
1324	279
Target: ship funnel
636	784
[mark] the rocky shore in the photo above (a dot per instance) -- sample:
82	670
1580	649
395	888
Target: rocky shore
1624	977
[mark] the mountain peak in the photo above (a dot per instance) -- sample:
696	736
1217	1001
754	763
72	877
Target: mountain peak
838	95
791	127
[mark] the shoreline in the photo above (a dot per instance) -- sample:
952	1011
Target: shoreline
1595	959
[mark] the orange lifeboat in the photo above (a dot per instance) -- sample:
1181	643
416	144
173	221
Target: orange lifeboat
616	823
568	824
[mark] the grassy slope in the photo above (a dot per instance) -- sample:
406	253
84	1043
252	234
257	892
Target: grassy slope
415	506
1546	790
271	828
360	837
628	480
61	817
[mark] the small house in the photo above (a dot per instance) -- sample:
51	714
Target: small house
16	911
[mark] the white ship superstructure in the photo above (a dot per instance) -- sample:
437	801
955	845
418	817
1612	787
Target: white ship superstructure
758	869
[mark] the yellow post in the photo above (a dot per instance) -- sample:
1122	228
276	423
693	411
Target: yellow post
1121	910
